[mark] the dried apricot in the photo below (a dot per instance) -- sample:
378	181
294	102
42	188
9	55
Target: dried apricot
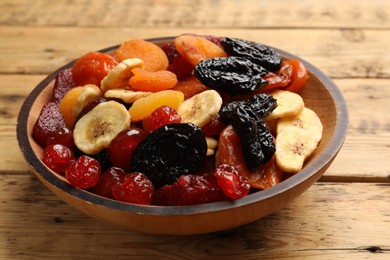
144	107
153	56
153	81
190	86
196	48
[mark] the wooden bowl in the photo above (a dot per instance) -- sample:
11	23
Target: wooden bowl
319	94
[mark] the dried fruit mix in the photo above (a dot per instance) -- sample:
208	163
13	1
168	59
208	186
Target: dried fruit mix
180	124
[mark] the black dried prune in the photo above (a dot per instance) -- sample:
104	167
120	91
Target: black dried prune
230	74
262	104
169	152
258	53
256	140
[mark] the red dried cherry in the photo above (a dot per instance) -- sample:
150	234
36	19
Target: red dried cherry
214	126
57	157
135	188
233	184
189	190
62	136
84	173
107	181
161	116
123	145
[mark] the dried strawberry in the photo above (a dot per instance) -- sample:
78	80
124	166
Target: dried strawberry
231	182
135	188
62	84
49	122
107	181
189	190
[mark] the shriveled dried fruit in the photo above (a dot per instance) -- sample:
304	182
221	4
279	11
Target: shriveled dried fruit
57	157
231	74
62	84
134	188
84	173
258	53
107	181
170	151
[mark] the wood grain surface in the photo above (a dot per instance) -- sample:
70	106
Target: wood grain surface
343	216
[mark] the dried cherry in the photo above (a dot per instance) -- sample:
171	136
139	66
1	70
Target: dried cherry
108	179
57	157
233	184
134	188
230	74
259	54
170	151
84	173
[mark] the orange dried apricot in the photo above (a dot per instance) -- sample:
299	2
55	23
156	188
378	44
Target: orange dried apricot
190	86
152	81
196	48
144	107
153	56
67	103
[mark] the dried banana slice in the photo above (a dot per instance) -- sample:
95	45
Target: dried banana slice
89	93
95	130
289	104
306	119
126	95
200	108
119	76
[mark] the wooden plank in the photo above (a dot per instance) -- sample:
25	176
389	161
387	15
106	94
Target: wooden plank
331	219
341	53
198	14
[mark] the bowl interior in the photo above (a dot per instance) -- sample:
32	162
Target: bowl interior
320	94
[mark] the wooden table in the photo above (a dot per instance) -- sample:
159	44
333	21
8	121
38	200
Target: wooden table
346	214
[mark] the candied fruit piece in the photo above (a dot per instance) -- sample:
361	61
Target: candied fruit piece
84	173
153	56
92	68
144	107
161	116
189	190
134	188
123	145
233	184
49	121
57	157
62	84
107	181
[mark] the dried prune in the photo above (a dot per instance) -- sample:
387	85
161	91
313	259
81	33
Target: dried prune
262	104
169	152
256	140
230	74
259	54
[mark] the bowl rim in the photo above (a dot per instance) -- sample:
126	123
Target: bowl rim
321	161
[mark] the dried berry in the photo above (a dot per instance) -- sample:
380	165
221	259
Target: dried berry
233	184
57	157
258	53
84	173
134	188
230	74
189	190
107	181
170	151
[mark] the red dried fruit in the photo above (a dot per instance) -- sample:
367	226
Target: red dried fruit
161	116
233	184
49	122
170	51
63	136
84	173
107	181
92	68
123	145
189	190
181	67
57	157
63	83
214	127
135	188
